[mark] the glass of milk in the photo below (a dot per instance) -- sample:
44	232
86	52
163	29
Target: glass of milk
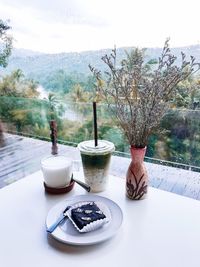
57	171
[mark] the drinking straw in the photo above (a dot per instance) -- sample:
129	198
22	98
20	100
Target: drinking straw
95	124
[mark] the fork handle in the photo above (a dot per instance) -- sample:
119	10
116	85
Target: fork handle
55	225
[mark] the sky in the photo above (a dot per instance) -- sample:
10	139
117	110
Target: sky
54	26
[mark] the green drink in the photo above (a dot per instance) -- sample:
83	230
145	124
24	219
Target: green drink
96	162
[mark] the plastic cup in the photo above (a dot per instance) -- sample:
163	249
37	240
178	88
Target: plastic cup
96	162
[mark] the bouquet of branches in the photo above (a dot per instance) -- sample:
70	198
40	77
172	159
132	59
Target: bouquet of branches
139	95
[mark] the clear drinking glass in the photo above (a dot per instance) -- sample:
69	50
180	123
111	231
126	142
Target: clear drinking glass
57	171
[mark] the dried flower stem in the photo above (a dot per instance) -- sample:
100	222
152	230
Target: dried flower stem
139	96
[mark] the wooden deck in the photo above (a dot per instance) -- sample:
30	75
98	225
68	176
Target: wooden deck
22	156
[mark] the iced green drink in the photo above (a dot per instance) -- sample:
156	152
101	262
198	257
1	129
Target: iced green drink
96	162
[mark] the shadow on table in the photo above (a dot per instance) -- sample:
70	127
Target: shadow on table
73	249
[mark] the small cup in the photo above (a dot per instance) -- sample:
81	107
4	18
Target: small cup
57	171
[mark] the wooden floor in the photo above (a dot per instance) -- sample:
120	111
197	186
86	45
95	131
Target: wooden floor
21	156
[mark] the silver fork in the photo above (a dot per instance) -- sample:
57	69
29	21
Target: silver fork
61	218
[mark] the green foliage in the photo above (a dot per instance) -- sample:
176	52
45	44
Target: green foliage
58	81
180	139
17	103
188	94
17	85
19	106
78	94
115	135
54	108
5	43
21	112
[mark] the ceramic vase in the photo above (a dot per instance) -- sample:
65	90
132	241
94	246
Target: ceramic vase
137	177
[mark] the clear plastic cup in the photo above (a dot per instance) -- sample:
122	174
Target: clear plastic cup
96	162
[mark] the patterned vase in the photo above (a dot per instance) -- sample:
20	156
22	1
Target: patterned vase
136	177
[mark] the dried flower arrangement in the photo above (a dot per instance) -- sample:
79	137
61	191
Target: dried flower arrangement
139	95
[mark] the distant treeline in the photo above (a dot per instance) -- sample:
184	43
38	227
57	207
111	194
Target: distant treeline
37	65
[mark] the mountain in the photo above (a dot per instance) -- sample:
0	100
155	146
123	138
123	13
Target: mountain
35	64
39	64
21	52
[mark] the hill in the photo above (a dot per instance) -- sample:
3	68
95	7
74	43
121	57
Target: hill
37	65
21	52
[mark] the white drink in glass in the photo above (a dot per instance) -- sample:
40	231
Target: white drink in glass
57	171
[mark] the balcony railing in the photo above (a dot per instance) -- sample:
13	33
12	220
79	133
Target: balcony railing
178	145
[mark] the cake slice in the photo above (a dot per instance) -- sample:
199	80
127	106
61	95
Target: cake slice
86	214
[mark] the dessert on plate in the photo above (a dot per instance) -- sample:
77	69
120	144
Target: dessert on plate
88	216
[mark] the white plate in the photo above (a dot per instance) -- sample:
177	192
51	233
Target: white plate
67	233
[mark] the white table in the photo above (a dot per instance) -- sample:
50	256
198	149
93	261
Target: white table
163	230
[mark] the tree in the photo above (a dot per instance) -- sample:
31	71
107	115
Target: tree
18	100
52	102
5	43
78	94
188	94
15	84
58	81
54	109
5	51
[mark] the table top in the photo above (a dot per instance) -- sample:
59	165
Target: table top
162	230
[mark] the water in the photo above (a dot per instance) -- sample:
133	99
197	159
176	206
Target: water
43	92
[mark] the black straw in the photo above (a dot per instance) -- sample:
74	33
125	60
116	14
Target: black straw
95	124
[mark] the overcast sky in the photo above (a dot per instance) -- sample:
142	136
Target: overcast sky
55	26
